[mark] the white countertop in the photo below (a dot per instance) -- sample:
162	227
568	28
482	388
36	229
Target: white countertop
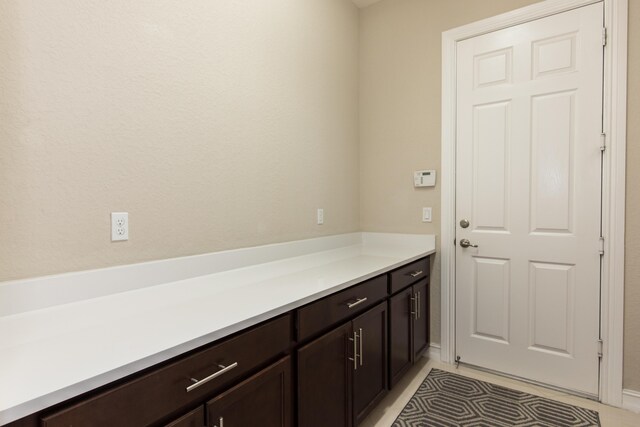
51	354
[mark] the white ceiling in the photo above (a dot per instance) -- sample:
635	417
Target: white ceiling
364	3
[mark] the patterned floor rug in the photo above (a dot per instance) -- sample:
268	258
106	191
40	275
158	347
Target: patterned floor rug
447	399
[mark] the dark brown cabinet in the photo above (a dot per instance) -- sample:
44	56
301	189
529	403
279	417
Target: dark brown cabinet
319	316
262	400
421	318
324	380
408	274
343	374
337	356
408	328
194	418
401	334
370	365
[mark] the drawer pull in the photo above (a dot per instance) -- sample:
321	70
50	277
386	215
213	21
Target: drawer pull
416	273
221	422
358	301
413	307
354	359
223	369
361	337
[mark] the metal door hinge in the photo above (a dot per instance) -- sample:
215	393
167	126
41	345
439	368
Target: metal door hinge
603	141
601	246
600	347
604	36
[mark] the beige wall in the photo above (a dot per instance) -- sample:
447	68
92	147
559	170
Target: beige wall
226	124
400	95
632	248
215	124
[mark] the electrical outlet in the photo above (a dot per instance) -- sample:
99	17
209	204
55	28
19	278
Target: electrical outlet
320	216
426	214
119	226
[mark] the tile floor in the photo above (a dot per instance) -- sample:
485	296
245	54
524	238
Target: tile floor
386	412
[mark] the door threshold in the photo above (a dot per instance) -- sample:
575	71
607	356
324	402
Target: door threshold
568	391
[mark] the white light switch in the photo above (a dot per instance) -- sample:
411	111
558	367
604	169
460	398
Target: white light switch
320	216
426	214
119	226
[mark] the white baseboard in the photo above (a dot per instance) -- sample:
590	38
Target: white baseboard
631	400
434	352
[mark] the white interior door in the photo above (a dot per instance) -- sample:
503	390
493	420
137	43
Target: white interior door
529	117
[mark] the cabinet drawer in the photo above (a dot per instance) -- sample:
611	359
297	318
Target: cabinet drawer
410	273
319	315
158	393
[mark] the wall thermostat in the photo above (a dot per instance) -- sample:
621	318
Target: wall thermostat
426	178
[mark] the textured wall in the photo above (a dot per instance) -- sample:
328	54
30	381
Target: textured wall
215	124
400	82
225	124
632	248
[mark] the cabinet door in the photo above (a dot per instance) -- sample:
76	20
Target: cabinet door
370	369
401	317
324	380
421	322
194	418
262	400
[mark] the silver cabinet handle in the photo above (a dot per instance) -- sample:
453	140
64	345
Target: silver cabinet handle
221	422
419	305
416	273
223	370
361	353
358	301
412	307
354	359
465	243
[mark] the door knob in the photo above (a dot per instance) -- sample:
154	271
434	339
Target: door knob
465	243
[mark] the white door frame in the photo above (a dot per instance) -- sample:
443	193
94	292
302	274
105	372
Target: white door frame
614	176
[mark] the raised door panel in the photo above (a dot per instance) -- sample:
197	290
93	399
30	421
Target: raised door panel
493	68
262	400
552	162
400	335
324	380
552	308
554	55
421	319
370	367
491	139
491	299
